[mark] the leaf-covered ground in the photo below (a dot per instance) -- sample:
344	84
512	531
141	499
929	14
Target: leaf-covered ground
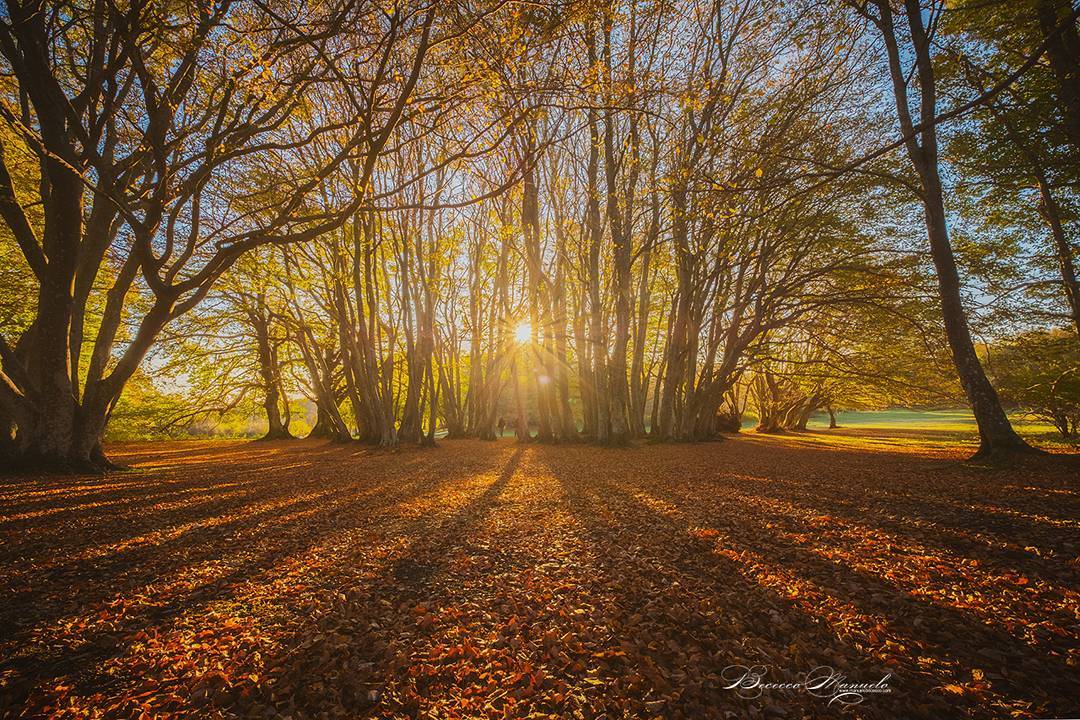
496	580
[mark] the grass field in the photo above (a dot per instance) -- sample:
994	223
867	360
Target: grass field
941	428
497	580
959	421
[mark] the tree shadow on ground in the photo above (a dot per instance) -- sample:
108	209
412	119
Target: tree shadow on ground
500	580
149	588
956	638
347	657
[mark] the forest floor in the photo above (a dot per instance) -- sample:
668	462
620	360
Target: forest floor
232	579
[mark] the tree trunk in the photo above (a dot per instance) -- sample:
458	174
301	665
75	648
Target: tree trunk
995	432
599	372
568	430
1051	213
47	437
587	388
677	346
521	422
322	427
639	385
539	368
277	429
767	395
620	238
1063	52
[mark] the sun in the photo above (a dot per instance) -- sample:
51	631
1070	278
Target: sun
523	332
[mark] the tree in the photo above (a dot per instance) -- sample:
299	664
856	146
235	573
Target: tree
235	347
1039	373
996	434
1014	151
142	118
603	220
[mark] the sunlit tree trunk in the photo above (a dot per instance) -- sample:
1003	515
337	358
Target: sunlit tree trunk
639	386
583	348
269	371
599	371
537	362
52	427
678	344
568	430
621	231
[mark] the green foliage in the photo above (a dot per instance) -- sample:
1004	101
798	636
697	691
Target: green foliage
144	411
1000	155
17	283
1039	372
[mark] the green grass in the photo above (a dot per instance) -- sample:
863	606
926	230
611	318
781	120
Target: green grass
941	420
956	424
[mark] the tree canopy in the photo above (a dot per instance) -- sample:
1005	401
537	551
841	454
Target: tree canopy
585	220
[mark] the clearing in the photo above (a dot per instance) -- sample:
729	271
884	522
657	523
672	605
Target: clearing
480	579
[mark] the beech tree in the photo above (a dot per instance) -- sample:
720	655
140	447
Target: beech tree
917	114
144	118
234	350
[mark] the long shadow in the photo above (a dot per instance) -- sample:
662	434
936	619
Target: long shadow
127	568
913	498
277	538
50	512
742	622
124	528
352	651
909	484
994	551
144	516
952	634
150	482
425	557
147	471
803	529
663	585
